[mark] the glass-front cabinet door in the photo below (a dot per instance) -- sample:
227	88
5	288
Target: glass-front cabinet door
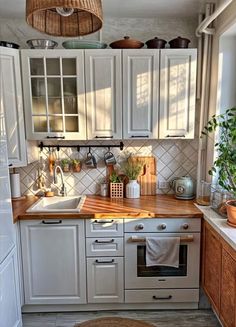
54	94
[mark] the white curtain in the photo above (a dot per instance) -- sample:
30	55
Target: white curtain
203	91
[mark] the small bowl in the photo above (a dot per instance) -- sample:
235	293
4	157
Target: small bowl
9	44
41	44
83	44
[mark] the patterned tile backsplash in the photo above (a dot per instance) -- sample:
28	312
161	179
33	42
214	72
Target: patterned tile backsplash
174	158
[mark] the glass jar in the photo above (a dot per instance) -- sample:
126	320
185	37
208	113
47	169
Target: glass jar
104	189
204	194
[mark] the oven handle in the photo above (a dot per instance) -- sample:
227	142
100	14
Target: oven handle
162	298
183	239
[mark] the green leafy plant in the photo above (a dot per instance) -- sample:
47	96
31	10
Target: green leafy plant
132	169
65	162
225	163
75	162
115	178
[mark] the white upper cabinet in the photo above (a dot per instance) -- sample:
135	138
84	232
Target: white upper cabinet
103	94
140	93
54	94
13	108
177	93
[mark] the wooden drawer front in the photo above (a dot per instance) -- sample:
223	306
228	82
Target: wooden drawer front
161	296
98	247
104	227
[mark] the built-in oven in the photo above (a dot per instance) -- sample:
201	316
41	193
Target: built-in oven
139	276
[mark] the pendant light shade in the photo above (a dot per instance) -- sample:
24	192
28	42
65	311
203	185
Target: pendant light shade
65	17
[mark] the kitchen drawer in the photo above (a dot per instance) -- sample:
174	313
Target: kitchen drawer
104	227
162	296
155	225
97	247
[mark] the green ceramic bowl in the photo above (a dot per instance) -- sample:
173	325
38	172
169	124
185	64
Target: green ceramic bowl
83	44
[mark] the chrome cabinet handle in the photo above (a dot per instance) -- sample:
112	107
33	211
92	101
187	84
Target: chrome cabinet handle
162	226
139	227
103	221
162	298
51	222
137	136
104	137
175	135
105	261
185	226
104	242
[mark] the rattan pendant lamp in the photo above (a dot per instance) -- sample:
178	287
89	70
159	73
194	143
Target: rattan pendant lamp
65	17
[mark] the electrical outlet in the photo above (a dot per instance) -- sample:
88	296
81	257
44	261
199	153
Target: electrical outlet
163	184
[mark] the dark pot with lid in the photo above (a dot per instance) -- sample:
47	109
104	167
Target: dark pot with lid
179	42
127	43
156	43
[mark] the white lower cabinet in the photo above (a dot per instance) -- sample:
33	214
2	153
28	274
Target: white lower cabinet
10	314
54	261
105	281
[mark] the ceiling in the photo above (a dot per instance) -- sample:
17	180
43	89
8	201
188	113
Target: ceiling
123	8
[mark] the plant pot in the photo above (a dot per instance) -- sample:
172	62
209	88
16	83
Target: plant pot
133	189
66	168
231	212
77	168
116	190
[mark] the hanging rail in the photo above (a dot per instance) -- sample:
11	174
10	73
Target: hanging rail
42	145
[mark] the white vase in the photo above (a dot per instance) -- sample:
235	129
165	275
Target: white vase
133	189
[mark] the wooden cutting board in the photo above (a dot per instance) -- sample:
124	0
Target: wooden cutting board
147	177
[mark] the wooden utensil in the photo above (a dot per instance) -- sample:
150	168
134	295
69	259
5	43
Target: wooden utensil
148	182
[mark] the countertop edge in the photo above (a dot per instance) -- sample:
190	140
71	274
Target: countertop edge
219	224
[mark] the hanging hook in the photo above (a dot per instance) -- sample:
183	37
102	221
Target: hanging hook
78	148
58	148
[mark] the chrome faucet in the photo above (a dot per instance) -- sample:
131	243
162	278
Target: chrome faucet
63	191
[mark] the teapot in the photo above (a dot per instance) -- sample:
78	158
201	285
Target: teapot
183	187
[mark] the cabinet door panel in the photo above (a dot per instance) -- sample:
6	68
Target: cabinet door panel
228	290
177	93
54	94
10	314
140	93
103	93
212	267
13	107
53	262
105	280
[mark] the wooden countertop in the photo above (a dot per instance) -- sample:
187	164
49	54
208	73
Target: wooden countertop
100	207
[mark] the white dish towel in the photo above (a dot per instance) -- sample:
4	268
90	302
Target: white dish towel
162	251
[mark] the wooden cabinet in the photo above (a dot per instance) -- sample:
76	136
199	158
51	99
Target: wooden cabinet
177	93
105	280
219	275
140	93
13	107
54	261
54	94
10	313
212	266
103	94
228	290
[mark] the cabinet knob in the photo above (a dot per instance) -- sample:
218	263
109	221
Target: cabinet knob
185	226
162	226
139	227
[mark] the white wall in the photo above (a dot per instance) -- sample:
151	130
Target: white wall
17	30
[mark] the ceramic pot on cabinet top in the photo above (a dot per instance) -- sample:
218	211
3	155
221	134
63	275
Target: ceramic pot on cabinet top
156	43
183	187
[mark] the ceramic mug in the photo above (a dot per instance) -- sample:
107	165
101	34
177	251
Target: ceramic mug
90	161
109	158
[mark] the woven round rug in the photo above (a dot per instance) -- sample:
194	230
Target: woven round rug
114	322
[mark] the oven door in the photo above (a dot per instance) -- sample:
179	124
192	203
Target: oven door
138	276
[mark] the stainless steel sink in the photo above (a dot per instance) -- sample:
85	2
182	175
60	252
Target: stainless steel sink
58	204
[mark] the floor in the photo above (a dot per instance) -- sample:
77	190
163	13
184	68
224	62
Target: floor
180	318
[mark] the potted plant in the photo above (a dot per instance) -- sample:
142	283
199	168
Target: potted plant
65	163
116	185
76	165
132	171
225	163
